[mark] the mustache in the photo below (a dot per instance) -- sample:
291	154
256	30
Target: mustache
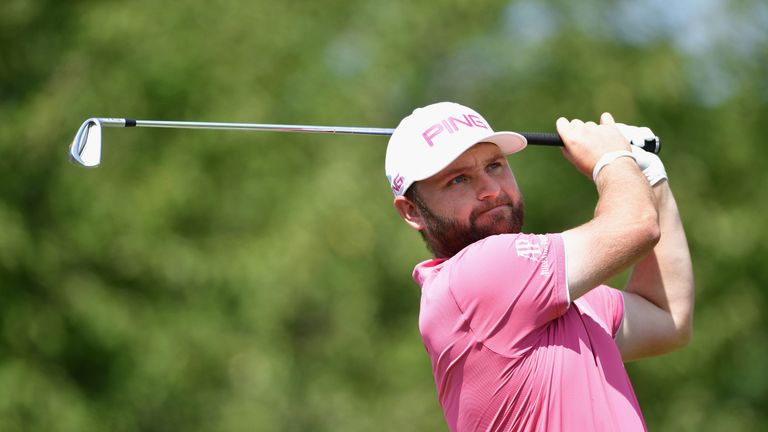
499	201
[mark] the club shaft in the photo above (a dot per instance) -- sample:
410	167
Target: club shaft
115	122
536	138
264	127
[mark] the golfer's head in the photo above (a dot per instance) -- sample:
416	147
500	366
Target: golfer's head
433	136
448	171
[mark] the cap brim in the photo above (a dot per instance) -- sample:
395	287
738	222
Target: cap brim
508	142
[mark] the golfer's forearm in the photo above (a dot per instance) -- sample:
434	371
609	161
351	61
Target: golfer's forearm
626	212
623	230
665	276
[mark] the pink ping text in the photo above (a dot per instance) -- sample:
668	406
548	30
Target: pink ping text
452	125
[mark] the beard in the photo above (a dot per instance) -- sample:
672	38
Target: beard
446	236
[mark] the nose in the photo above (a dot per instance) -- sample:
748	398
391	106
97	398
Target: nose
486	187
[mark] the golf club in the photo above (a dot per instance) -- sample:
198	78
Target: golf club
86	147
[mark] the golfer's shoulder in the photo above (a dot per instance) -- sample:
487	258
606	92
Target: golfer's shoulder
507	250
508	271
522	245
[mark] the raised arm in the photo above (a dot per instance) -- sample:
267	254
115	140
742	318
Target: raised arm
659	297
625	225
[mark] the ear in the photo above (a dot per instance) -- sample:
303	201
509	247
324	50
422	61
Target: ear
409	212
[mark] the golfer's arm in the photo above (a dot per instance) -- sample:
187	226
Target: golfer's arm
658	299
623	230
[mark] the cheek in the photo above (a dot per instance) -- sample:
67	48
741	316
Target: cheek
512	190
454	207
515	195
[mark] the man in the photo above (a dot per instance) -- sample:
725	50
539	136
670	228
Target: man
521	332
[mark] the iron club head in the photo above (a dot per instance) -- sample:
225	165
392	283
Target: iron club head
86	147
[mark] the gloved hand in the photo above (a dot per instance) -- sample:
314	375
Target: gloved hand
636	135
649	163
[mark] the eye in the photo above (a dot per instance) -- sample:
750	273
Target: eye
493	166
457	180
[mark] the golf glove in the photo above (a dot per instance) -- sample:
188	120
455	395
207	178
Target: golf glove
649	163
636	135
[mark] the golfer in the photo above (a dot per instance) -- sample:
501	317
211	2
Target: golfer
521	332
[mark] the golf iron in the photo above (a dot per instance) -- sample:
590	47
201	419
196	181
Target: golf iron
86	146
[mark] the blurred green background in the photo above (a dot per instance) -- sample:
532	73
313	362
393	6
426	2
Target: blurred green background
242	281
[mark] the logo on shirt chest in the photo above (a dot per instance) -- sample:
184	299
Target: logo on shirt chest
535	250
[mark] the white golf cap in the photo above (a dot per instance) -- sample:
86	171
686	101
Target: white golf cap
433	136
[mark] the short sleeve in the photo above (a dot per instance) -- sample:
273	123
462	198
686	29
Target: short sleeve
508	287
605	305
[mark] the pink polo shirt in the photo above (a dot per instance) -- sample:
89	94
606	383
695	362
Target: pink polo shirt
508	351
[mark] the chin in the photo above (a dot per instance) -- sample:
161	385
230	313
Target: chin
500	224
505	226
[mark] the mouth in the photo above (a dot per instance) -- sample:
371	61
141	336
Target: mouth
497	211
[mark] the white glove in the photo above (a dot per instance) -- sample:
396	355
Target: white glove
636	136
650	165
648	162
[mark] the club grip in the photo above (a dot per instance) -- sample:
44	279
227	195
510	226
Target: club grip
553	139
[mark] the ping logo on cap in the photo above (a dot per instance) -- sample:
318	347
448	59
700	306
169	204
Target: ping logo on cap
452	125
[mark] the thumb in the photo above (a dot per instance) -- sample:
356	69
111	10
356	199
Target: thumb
606	118
563	125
